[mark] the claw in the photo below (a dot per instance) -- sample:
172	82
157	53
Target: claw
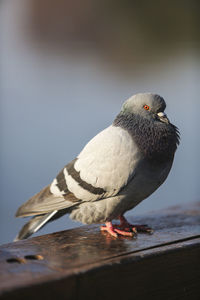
142	228
109	228
114	231
125	228
123	232
135	228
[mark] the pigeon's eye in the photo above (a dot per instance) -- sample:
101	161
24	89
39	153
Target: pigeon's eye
146	107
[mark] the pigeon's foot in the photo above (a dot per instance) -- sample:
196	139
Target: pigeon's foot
114	230
135	228
125	228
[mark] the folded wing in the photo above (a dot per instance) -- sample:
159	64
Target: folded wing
101	170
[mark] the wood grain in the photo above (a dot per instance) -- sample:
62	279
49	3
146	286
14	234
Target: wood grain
86	263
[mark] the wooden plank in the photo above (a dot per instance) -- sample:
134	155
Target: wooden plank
161	274
80	262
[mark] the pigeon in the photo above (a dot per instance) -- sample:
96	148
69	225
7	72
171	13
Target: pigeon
117	169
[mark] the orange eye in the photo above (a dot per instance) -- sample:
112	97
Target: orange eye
146	107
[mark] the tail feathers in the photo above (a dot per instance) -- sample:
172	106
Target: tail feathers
34	225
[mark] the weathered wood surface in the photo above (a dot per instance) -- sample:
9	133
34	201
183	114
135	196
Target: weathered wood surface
86	263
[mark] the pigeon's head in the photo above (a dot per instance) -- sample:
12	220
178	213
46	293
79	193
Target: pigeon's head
147	105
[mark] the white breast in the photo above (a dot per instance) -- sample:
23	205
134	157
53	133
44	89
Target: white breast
108	161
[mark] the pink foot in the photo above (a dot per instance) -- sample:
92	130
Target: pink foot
135	228
114	231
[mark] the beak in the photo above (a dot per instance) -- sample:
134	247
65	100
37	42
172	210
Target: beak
163	117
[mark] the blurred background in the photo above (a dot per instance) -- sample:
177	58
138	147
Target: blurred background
66	67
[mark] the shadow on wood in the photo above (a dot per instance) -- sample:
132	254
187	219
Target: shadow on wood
86	263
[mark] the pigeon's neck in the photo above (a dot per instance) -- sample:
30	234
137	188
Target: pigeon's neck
156	140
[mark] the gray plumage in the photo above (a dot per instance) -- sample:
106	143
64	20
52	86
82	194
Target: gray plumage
116	170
